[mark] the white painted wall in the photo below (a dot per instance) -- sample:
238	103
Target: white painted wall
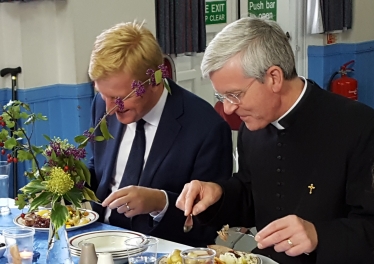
363	21
52	40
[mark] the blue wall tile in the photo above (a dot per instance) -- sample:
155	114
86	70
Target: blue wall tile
67	108
323	61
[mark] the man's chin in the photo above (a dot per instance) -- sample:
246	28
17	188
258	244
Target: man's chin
125	118
254	125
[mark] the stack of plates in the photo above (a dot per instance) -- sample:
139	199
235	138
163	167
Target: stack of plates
110	241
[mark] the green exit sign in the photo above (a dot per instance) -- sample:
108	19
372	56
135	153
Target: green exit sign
215	12
263	9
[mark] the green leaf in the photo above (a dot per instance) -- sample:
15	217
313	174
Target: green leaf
158	77
19	132
20	202
30	120
99	138
37	149
80	139
24	155
91	130
83	144
26	106
86	172
24	115
34	187
167	87
59	215
43	199
10	124
104	129
47	138
39	116
53	156
10	143
89	195
74	196
16	111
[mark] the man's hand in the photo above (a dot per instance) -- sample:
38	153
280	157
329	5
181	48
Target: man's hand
135	200
290	234
197	196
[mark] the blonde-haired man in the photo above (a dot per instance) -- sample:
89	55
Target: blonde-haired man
185	138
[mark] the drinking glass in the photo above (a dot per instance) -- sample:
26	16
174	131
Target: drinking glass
198	256
141	250
4	187
19	242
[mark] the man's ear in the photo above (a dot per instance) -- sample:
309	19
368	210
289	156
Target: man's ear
275	78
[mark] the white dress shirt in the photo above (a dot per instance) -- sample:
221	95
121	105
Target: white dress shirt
276	122
152	119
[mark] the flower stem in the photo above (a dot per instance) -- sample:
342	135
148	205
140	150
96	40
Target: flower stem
28	143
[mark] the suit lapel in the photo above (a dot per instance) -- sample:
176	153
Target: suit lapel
117	129
166	134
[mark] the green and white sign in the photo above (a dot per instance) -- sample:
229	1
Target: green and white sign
263	9
215	12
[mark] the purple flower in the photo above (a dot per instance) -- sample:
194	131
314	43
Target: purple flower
119	104
164	70
80	185
91	136
138	87
151	74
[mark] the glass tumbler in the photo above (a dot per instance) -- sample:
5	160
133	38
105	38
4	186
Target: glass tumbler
198	256
19	242
4	187
141	250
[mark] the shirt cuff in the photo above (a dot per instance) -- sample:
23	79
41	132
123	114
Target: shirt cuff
157	216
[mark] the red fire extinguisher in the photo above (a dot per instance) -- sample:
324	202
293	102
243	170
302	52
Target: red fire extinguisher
344	85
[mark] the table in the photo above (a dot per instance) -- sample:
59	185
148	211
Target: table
40	238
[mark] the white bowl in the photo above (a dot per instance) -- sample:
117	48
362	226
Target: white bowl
2	249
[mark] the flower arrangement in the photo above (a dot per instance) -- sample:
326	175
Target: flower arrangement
63	176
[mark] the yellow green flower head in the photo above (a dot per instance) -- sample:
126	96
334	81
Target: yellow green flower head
59	181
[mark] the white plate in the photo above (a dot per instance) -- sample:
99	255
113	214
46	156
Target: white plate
92	215
110	241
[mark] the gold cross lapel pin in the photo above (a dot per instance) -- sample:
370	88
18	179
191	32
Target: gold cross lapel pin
311	188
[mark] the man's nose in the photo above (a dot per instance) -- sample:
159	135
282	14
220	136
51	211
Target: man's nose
229	108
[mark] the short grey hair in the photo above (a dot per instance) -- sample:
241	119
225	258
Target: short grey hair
262	44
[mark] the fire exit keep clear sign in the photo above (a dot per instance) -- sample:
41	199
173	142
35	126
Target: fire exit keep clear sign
215	12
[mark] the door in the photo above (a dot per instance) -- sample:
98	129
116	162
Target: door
188	74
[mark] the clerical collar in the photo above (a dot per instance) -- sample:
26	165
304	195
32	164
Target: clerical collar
276	122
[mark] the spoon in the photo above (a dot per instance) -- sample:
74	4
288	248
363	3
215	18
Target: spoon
188	224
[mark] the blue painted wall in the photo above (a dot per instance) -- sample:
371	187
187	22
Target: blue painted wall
323	61
67	108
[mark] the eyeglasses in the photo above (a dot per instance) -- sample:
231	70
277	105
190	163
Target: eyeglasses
233	98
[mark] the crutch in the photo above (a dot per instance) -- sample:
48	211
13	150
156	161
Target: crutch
13	73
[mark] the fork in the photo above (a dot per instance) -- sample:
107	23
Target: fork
84	201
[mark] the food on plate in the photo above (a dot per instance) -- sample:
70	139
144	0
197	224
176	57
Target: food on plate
224	232
224	255
220	250
41	218
174	257
238	257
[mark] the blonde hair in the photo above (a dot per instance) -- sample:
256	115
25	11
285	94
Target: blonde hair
125	47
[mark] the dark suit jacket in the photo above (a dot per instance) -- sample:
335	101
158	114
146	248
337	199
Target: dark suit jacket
192	142
328	141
